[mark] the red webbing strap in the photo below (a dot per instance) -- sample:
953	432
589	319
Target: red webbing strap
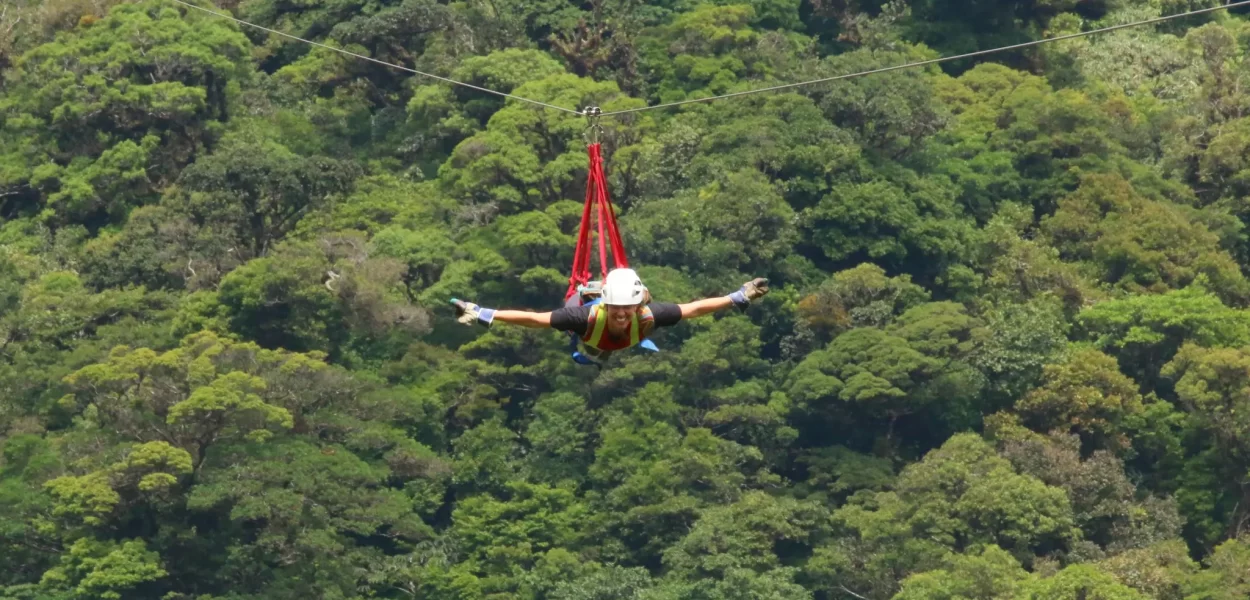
596	194
618	246
581	255
603	252
608	213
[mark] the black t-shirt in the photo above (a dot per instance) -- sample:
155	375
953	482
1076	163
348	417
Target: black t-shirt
575	318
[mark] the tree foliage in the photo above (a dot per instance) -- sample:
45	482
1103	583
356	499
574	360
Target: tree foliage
1005	353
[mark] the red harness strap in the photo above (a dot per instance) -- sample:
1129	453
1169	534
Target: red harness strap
596	195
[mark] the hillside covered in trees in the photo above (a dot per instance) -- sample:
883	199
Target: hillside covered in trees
1006	354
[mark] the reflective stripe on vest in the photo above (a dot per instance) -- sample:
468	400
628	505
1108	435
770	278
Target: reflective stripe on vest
598	324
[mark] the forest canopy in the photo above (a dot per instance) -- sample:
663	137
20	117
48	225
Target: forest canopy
1005	355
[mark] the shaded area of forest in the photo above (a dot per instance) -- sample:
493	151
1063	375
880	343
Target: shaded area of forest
1006	354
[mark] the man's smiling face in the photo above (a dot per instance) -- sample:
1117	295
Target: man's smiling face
619	318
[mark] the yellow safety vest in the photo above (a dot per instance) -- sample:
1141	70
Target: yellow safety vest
598	324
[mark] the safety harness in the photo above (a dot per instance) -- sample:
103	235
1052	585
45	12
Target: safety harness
598	203
592	347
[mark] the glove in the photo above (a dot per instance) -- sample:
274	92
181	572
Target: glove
468	312
749	291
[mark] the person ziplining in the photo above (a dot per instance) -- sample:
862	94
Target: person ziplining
616	312
621	317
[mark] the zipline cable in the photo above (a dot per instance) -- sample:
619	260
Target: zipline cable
381	62
932	61
743	93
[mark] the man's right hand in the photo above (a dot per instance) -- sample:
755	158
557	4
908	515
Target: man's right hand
468	313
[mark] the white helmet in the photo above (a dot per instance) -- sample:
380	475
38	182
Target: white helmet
623	287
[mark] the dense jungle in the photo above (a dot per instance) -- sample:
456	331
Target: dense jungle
1005	354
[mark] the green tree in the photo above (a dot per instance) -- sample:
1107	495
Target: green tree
55	325
702	52
104	569
1160	570
959	497
447	114
1113	514
735	224
989	573
256	190
916	366
530	157
859	297
1145	332
204	401
1088	395
85	116
1079	581
1023	140
1225	576
1010	265
912	224
1210	384
1021	339
728	554
891	113
502	536
1142	245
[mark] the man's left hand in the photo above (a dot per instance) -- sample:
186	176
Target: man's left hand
751	290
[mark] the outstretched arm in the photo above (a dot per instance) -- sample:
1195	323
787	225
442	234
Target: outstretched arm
469	312
524	318
698	308
742	299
